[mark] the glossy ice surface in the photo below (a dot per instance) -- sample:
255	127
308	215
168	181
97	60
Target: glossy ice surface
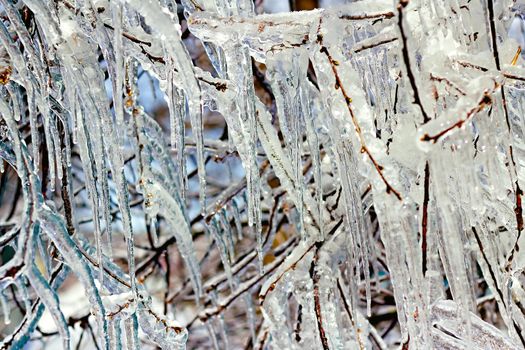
340	178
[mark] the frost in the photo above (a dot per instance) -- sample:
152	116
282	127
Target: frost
245	174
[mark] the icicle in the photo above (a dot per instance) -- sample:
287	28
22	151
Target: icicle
222	246
153	227
20	65
281	163
165	25
114	332
250	315
287	70
324	286
177	119
220	319
119	63
50	299
237	218
131	334
41	246
162	200
223	218
89	165
314	147
5	308
56	231
52	139
213	336
33	313
103	244
367	96
21	286
14	99
240	68
58	150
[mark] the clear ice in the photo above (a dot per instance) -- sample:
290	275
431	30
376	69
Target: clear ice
201	174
